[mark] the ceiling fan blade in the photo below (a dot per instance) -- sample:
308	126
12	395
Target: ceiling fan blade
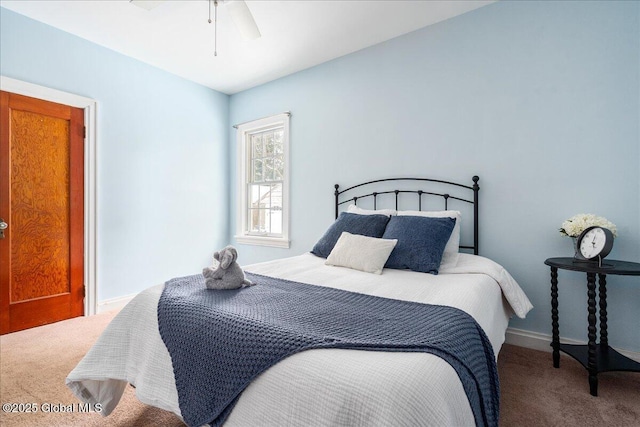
147	4
242	17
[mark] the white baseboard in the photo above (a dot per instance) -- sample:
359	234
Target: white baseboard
542	342
114	303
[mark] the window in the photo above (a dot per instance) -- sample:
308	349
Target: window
263	180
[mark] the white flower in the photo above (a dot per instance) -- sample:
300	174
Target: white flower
577	223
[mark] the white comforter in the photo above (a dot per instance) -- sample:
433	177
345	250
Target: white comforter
325	387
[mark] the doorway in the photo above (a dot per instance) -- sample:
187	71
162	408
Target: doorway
42	210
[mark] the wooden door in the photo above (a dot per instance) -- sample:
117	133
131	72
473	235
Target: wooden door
42	203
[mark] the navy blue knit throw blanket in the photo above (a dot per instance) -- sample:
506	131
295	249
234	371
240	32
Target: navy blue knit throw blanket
220	340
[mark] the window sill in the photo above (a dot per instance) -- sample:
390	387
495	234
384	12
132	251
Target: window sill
276	242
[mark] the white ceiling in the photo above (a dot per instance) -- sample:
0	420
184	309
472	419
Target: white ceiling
176	37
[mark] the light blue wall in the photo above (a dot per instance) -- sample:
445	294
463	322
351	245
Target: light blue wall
528	95
540	99
161	149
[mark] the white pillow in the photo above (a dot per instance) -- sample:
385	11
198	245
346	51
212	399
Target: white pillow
356	210
450	254
363	253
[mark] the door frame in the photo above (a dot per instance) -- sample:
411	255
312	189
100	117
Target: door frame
89	105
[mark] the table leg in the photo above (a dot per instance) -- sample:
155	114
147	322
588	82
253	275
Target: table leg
592	365
604	338
555	342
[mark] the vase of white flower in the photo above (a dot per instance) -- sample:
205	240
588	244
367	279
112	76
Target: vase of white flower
574	241
575	225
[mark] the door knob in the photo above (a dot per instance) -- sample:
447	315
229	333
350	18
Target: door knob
3	226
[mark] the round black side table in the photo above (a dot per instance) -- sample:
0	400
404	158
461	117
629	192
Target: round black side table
595	357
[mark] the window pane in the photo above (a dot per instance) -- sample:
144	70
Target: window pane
269	142
265	196
278	168
257	221
278	148
257	173
256	143
268	169
254	196
276	222
275	219
276	196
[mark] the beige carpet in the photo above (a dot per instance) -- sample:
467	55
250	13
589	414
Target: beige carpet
534	393
34	364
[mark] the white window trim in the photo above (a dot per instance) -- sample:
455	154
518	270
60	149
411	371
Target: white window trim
242	236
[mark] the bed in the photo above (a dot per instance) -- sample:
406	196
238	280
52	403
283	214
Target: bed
327	386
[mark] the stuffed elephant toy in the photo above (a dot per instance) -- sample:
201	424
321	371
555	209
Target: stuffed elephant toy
227	274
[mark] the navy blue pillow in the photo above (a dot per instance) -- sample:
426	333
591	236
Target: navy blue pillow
365	225
421	242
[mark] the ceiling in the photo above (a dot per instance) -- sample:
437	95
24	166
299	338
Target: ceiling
175	36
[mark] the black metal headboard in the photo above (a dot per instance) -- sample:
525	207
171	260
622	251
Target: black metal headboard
341	198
